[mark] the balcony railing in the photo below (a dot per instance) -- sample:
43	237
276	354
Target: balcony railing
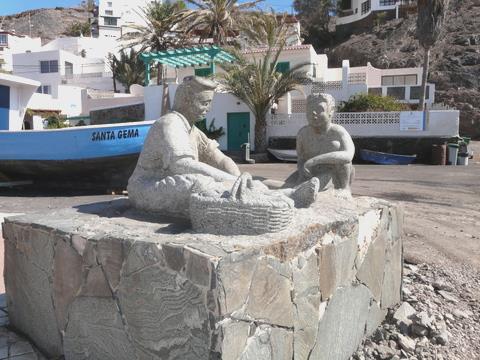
357	78
69	78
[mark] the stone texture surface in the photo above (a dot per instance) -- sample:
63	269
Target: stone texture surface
105	282
324	150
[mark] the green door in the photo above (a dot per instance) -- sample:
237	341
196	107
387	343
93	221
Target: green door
238	129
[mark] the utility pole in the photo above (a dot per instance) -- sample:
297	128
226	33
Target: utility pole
29	24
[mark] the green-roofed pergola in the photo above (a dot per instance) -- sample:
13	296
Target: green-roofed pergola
187	57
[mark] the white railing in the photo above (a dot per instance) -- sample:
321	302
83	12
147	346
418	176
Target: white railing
367	118
357	78
437	123
320	86
76	77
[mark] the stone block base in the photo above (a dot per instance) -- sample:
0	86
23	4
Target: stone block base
105	282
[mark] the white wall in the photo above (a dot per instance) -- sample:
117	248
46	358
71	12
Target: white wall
87	72
89	104
374	75
357	11
127	12
17	44
438	123
19	96
94	47
222	104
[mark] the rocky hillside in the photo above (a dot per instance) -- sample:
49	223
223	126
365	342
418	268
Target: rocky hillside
455	60
45	23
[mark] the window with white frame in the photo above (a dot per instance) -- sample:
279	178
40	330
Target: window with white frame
111	21
3	39
387	2
45	89
109	4
48	66
366	6
397	80
108	12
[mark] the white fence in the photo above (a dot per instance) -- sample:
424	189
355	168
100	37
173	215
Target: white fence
435	123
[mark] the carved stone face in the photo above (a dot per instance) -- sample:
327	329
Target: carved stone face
194	106
200	105
193	98
319	114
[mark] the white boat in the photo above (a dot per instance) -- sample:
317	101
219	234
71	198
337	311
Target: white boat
284	155
105	154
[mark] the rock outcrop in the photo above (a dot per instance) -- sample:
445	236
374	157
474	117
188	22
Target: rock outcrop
48	24
455	59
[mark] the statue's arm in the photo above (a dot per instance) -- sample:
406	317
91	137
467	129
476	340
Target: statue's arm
222	162
301	155
342	156
188	165
210	154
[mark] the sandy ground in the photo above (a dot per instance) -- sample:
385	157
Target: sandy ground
442	205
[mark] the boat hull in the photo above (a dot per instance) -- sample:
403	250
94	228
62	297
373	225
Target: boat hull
104	155
108	171
386	158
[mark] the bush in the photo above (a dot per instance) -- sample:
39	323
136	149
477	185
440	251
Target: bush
212	132
56	122
371	103
79	29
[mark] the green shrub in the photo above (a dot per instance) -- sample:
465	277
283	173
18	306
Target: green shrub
371	103
56	122
212	132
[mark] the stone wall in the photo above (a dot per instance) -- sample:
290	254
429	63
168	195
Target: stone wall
121	114
105	282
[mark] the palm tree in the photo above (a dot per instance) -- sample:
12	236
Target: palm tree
261	29
164	30
127	69
431	16
219	19
258	84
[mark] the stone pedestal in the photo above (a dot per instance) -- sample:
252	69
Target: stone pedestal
105	282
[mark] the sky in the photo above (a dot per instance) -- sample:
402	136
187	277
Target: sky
8	7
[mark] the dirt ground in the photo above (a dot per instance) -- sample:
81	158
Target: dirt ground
442	226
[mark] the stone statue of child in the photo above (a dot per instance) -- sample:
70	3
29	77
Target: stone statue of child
324	150
179	160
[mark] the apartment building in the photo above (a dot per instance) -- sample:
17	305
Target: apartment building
357	15
115	17
12	43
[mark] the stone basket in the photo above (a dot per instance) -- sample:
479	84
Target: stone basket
244	212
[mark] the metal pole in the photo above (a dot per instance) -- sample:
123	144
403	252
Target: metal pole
147	74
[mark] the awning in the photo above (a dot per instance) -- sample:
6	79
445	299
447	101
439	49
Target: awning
187	57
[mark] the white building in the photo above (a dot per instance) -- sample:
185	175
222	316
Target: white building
354	15
15	93
73	72
116	16
342	83
11	43
238	122
86	47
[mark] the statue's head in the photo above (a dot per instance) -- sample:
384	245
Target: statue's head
320	110
194	97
